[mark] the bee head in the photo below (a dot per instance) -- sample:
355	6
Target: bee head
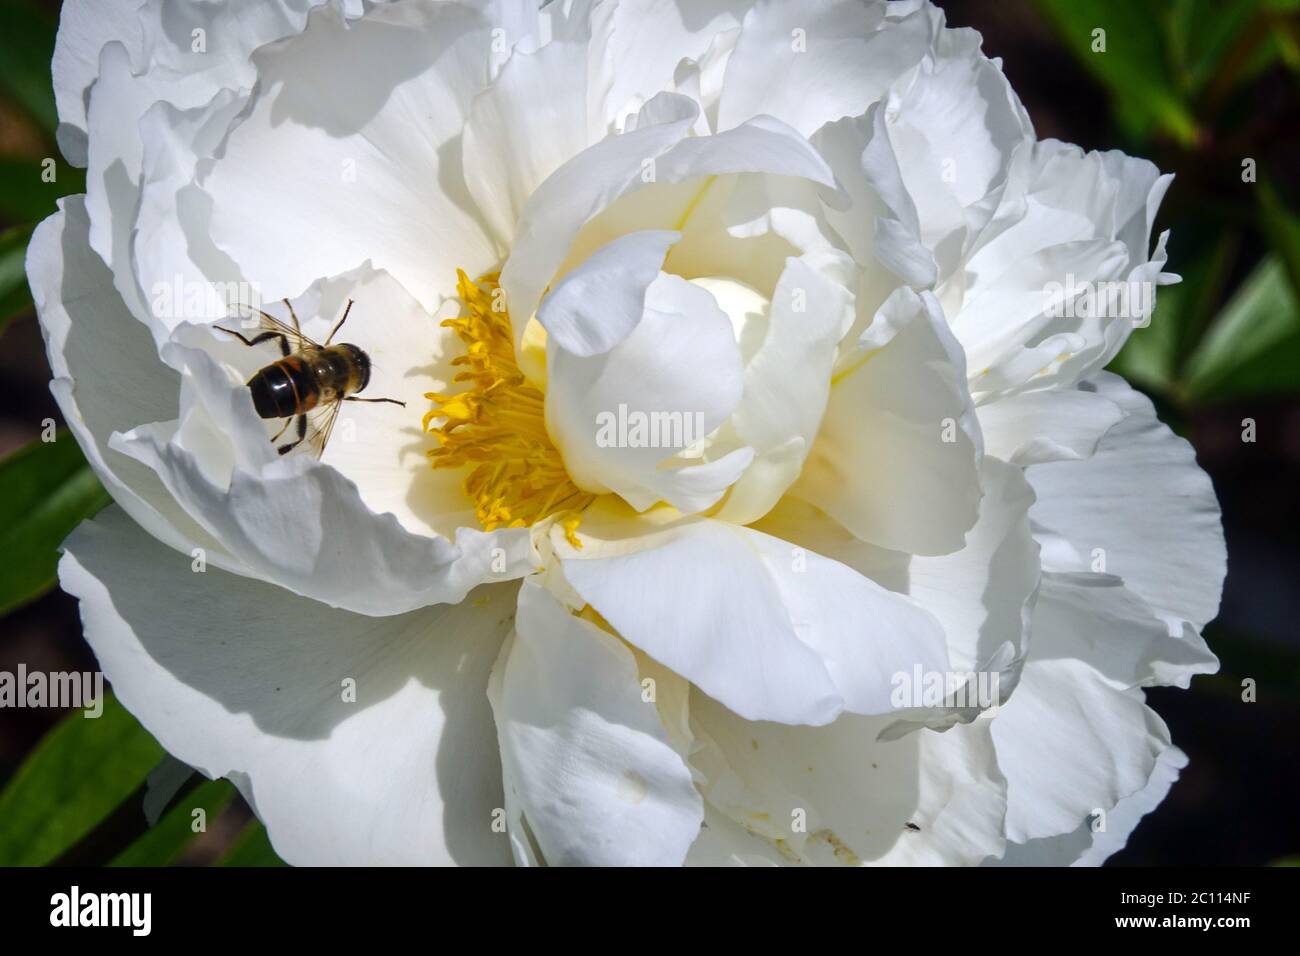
360	367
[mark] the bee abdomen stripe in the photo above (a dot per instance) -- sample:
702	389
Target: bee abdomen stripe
299	377
279	389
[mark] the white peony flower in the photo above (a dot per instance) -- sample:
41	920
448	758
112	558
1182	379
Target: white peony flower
752	381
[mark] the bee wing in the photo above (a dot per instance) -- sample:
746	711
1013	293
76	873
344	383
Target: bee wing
320	423
269	323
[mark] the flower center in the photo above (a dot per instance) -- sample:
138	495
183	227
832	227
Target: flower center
497	425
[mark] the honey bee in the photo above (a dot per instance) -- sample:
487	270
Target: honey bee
310	382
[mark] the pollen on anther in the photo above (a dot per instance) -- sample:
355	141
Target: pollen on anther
496	426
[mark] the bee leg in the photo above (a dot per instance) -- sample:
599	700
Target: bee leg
249	342
297	327
283	428
258	339
302	433
339	324
391	401
267	336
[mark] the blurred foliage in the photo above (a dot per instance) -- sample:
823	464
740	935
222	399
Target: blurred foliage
1170	64
1255	344
15	297
26	196
1116	44
26	47
1184	78
166	840
76	777
46	490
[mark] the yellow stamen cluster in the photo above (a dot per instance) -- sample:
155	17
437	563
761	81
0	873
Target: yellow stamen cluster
497	426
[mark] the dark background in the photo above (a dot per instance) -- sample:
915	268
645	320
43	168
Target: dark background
1235	803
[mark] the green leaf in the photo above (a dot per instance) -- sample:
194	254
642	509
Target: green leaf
1204	34
164	843
26	196
1254	345
252	848
15	296
27	32
46	490
1148	357
1133	66
79	772
1284	44
1282	230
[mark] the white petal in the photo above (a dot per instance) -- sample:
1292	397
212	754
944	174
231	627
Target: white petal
880	223
681	366
1071	223
185	73
85	28
1124	818
179	274
1070	743
658	152
1036	427
768	630
839	795
956	129
598	304
1065	195
589	772
739	228
787	383
724	842
535	117
574	193
982	594
107	377
986	588
1017	331
642	42
349	149
241	679
1094	618
1143	501
230	32
114	155
808	62
896	461
1098	838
